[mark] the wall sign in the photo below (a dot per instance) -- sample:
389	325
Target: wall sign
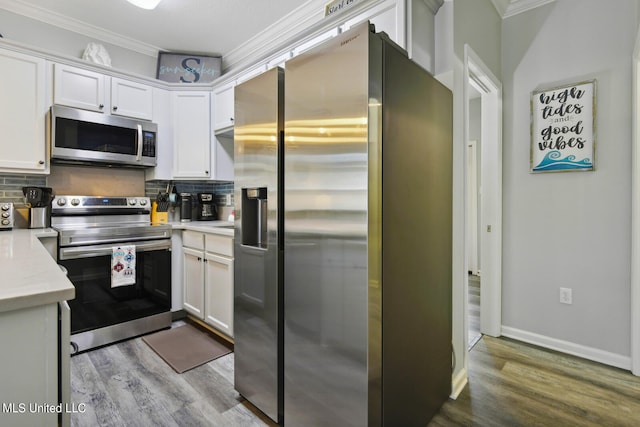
185	68
336	6
563	128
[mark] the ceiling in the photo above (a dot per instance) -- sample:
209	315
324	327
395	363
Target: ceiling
208	27
213	27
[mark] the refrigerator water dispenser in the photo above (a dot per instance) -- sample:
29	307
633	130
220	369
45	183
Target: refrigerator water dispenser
254	217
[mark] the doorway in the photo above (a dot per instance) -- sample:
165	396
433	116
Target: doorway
483	199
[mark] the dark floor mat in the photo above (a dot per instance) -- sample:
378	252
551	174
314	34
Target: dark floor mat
185	347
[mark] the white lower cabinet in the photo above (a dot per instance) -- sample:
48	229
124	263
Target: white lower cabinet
193	280
208	278
218	293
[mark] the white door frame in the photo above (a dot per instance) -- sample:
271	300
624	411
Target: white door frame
635	213
490	233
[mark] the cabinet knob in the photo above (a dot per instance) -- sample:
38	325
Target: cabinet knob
231	118
101	106
206	172
41	162
115	107
199	259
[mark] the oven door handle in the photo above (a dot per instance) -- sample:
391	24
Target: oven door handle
107	250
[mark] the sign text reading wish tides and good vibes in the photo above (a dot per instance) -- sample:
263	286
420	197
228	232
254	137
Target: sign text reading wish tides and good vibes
562	129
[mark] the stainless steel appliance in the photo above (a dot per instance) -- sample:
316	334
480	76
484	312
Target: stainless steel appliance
89	228
343	237
39	201
80	136
258	242
6	216
186	207
207	208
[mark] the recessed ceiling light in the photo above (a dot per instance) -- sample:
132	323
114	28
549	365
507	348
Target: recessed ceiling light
145	4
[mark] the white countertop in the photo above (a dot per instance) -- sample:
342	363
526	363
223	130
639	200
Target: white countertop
30	277
214	227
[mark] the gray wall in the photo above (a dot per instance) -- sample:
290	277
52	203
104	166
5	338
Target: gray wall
58	41
569	229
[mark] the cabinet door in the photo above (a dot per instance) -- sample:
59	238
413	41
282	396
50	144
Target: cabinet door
193	282
75	87
131	99
22	114
223	105
191	135
219	293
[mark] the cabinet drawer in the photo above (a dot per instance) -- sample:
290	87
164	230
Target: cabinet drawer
219	244
193	239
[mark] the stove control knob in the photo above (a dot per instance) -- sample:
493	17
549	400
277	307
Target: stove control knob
5	207
5	214
75	202
143	202
6	222
62	202
132	202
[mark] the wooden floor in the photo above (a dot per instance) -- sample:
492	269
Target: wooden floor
515	384
128	384
510	384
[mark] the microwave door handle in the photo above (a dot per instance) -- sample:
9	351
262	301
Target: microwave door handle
139	143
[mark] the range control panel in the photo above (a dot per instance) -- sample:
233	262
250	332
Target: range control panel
70	203
6	216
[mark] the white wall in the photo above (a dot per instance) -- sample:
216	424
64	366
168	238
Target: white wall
475	22
569	229
68	43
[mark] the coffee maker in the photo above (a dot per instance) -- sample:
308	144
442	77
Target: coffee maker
208	210
39	201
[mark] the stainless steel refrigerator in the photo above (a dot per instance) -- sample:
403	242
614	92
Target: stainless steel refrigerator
357	207
258	149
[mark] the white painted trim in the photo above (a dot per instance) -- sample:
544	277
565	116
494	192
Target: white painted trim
301	24
491	183
433	5
635	212
507	8
66	23
590	353
458	383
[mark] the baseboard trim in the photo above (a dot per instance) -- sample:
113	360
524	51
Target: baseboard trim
458	383
590	353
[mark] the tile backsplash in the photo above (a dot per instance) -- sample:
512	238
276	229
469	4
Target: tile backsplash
11	186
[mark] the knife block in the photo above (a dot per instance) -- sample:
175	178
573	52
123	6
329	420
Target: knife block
158	217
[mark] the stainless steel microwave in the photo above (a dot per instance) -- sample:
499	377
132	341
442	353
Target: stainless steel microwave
80	136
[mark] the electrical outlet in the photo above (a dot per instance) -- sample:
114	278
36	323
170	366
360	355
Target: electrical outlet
565	296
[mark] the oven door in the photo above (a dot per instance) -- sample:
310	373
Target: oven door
97	304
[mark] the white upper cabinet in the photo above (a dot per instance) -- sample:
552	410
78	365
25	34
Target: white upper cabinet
191	134
131	99
22	114
75	87
223	105
87	90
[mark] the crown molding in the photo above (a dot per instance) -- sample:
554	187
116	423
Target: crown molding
20	8
433	5
507	8
306	21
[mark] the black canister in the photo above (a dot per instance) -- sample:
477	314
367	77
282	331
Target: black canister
185	207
